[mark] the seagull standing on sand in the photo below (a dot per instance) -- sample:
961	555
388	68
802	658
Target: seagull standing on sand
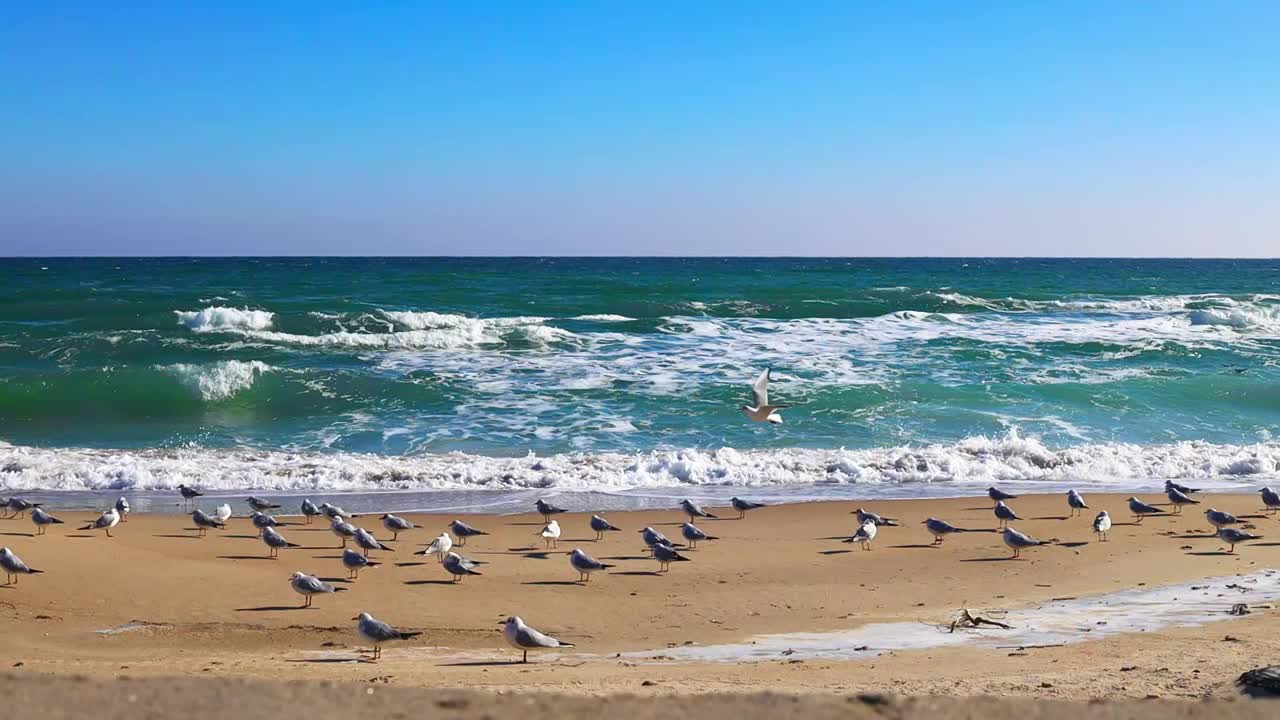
1019	541
1076	502
1102	525
439	546
105	521
665	555
1004	513
1220	518
693	534
602	526
865	535
122	507
1179	498
462	531
375	632
203	522
42	520
188	494
551	533
999	495
262	521
694	511
865	516
274	541
308	585
1180	488
524	638
547	509
333	511
760	410
19	507
222	513
367	541
585	565
458	566
1231	536
354	561
1270	498
1141	509
743	506
13	566
259	505
342	529
396	525
653	537
940	529
309	509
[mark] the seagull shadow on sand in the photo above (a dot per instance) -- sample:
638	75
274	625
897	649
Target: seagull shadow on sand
1002	558
1076	544
430	582
918	546
525	524
326	660
553	582
1051	517
833	552
245	557
274	608
409	564
638	572
19	534
1213	553
483	663
540	555
628	557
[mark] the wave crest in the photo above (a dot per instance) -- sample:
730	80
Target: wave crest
221	319
218	381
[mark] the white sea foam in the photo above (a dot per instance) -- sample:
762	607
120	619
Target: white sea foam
220	380
604	317
224	319
978	461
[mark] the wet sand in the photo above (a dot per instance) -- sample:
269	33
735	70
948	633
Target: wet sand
185	606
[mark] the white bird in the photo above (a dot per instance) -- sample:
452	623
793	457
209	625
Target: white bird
342	529
665	555
1018	541
940	529
1220	518
1141	510
203	522
866	515
760	410
354	561
1179	498
744	506
367	541
551	533
42	520
274	541
1102	525
105	521
458	566
222	513
524	638
309	509
585	565
462	531
396	525
1232	536
122	507
1076	502
602	526
693	534
1270	498
375	632
308	585
13	566
865	535
439	546
1004	513
695	511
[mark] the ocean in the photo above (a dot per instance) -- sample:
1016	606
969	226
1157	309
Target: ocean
478	384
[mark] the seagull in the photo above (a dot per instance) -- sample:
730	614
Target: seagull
259	504
865	535
866	515
439	546
222	513
463	531
1270	498
1219	518
1231	536
1076	502
1180	488
665	555
939	529
203	522
458	566
653	537
107	520
367	541
1102	525
309	509
122	507
354	561
585	565
188	494
999	495
760	410
275	541
743	506
333	511
1004	513
375	632
396	525
42	520
602	526
308	585
1178	498
524	638
1141	509
1019	541
547	509
551	533
19	507
342	529
263	521
13	566
694	511
693	534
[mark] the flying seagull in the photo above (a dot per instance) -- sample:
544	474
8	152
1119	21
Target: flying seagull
760	410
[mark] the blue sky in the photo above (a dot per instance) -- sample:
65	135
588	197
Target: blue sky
1054	128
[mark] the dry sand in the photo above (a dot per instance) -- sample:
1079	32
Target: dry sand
218	607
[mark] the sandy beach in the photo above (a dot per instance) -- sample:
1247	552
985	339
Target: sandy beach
155	600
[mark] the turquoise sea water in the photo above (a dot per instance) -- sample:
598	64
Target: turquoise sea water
323	374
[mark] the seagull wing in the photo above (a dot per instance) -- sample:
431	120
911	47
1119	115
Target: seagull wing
760	390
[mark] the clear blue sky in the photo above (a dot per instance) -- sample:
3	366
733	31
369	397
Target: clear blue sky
842	128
